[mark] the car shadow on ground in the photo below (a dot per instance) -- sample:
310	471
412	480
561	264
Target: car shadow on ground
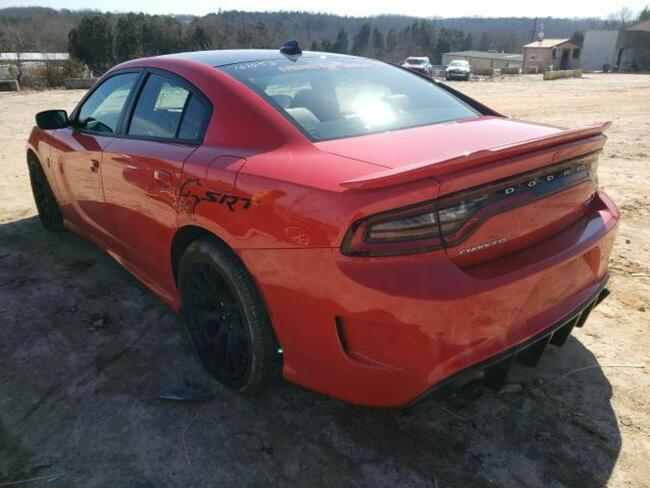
85	349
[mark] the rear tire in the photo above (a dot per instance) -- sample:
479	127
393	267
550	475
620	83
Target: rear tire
226	319
48	209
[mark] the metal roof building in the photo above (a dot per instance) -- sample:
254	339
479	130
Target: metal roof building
557	54
547	43
627	49
485	59
33	57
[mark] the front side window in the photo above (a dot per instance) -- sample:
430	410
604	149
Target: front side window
331	97
159	109
102	110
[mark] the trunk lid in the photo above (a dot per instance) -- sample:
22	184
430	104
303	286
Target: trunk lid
440	141
534	177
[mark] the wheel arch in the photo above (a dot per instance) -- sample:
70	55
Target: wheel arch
187	234
31	155
34	158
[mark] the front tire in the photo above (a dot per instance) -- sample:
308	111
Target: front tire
48	209
226	319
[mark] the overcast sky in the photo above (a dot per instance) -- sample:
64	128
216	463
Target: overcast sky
430	8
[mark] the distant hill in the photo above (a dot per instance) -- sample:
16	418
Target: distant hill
389	37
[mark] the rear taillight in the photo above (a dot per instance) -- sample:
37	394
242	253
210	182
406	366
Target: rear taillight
431	225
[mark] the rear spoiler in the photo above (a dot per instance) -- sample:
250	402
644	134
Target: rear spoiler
433	167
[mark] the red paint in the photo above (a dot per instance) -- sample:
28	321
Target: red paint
284	205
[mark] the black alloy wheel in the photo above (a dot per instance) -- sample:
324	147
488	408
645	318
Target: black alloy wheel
226	319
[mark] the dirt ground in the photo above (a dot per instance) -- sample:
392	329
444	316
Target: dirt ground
85	349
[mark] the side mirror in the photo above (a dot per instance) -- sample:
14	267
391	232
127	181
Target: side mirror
52	119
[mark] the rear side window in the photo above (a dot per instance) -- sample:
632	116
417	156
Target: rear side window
159	109
101	111
167	108
194	119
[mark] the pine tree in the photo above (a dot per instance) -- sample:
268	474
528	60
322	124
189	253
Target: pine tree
92	41
361	40
128	37
341	44
578	37
378	43
391	40
197	39
484	43
326	46
443	45
467	43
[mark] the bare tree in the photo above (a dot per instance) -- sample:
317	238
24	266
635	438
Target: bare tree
13	39
622	17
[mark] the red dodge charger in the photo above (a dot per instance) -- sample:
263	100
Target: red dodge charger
354	227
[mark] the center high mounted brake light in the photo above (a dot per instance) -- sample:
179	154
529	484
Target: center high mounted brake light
431	225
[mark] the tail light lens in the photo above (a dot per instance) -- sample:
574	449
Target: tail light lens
409	228
431	225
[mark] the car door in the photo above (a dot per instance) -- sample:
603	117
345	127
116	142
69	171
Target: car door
143	166
77	156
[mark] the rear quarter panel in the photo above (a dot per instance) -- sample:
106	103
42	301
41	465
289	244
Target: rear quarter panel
288	198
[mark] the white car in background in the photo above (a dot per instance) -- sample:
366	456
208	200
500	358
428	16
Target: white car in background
421	64
458	69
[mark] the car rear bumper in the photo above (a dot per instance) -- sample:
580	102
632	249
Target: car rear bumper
492	373
386	331
457	75
418	70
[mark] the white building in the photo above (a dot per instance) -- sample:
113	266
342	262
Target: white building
16	65
599	49
33	57
628	49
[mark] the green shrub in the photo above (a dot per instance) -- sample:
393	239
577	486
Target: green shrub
56	74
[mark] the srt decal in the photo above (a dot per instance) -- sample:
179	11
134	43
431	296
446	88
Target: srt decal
192	194
479	247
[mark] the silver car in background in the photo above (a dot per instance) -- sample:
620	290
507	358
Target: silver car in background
421	64
458	69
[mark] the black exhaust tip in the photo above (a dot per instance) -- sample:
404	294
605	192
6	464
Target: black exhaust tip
603	294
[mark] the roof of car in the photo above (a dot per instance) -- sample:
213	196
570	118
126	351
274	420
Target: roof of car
231	56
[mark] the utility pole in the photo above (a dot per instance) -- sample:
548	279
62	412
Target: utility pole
534	31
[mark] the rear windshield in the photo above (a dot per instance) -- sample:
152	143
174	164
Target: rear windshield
334	97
